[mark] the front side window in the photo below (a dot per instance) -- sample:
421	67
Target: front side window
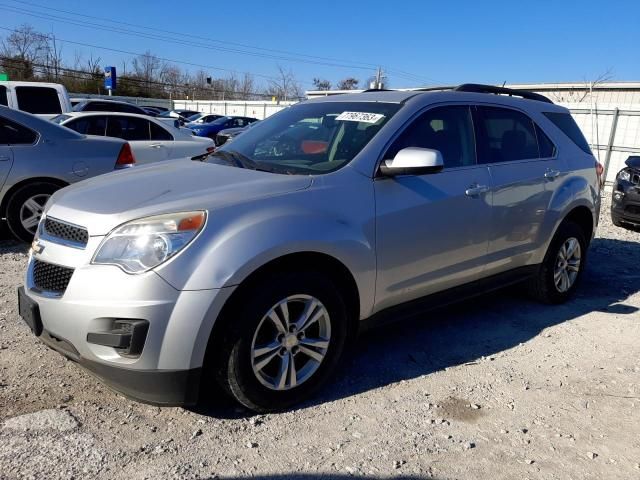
447	129
38	100
308	138
12	133
3	96
128	128
505	135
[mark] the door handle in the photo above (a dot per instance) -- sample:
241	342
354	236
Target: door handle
156	145
4	158
551	174
476	190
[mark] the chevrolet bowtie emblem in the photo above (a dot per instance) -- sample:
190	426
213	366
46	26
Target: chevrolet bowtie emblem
37	247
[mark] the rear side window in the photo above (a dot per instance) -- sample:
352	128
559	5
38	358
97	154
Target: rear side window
3	96
128	128
505	135
566	123
446	129
89	125
12	133
38	100
159	133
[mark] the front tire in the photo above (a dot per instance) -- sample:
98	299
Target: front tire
25	207
562	267
283	340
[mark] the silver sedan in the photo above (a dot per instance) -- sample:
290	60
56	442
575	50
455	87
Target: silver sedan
38	157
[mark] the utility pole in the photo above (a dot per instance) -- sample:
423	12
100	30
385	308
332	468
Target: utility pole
377	83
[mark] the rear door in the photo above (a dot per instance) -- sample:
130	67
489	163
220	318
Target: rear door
432	230
520	166
137	131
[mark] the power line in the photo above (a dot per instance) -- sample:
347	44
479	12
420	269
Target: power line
310	59
18	64
21	2
150	36
136	54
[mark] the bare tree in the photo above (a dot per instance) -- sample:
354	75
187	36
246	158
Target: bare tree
21	51
284	86
147	67
321	84
246	87
348	83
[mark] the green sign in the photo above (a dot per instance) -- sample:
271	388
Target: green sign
4	77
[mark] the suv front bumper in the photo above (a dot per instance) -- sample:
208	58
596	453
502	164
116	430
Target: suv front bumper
167	369
625	203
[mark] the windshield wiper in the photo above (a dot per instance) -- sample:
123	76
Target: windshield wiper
242	161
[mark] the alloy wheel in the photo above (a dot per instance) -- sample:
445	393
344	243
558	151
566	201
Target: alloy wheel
567	265
291	342
31	211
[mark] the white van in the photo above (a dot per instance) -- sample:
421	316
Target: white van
43	99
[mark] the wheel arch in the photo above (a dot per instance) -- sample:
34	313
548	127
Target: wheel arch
312	261
22	183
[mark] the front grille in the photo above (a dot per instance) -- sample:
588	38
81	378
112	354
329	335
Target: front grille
51	278
635	178
66	231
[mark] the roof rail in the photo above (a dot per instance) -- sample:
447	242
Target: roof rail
432	89
478	88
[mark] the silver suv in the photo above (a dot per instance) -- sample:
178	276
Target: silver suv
255	269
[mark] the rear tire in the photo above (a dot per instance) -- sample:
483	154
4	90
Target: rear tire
25	207
269	363
562	267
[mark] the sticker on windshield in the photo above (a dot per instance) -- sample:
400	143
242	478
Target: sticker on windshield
360	117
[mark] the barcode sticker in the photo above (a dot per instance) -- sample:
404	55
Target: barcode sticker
360	117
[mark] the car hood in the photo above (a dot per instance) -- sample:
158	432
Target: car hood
102	203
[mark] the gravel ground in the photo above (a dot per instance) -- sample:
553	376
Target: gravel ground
496	388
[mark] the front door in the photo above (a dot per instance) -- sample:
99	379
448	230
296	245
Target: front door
432	230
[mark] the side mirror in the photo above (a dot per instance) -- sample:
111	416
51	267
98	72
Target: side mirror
413	161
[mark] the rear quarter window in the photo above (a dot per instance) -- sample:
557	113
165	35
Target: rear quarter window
566	123
43	100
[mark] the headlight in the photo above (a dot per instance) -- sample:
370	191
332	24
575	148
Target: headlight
143	244
624	175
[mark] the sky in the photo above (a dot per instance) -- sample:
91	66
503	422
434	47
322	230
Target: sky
416	42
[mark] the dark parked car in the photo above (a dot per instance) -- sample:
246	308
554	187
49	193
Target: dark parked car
108	106
211	129
229	134
625	201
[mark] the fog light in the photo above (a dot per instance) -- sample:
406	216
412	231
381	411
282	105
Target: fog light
126	336
617	196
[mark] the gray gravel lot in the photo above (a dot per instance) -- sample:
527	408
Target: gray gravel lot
495	388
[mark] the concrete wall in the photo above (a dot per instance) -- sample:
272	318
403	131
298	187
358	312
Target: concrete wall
256	109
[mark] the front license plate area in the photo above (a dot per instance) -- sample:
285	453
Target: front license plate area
30	312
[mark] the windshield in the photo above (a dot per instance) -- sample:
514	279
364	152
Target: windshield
195	117
220	121
308	138
60	118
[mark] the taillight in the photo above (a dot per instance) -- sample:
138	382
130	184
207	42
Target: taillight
211	149
600	172
125	157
